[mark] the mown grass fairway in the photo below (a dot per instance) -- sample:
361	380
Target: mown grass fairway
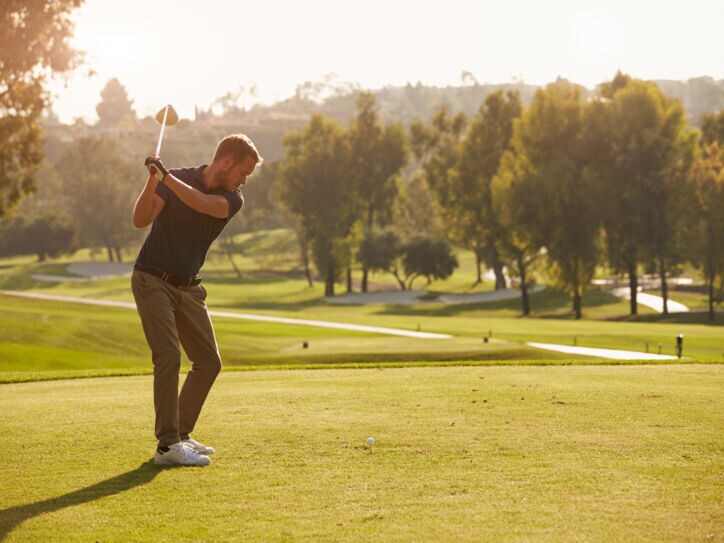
463	454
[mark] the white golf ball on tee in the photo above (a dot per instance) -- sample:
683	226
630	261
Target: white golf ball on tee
370	441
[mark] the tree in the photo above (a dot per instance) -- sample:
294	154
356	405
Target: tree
515	206
551	138
471	207
378	155
712	128
427	257
313	183
706	240
34	45
115	106
102	186
438	147
419	256
638	139
380	250
46	234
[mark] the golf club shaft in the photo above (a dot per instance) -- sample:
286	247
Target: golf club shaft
163	126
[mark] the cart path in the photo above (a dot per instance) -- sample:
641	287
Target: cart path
649	300
245	316
613	354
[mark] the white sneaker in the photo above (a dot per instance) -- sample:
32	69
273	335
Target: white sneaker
179	454
198	447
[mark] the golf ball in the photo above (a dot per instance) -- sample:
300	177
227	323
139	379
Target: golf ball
370	441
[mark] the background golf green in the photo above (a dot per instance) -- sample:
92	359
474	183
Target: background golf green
586	453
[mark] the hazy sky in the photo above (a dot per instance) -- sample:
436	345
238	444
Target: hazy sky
189	52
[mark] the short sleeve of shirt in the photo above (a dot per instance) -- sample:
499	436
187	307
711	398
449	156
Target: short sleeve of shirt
235	200
162	191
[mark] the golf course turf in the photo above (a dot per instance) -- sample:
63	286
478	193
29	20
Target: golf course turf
478	437
586	453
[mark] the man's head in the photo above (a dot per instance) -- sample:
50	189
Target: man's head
235	159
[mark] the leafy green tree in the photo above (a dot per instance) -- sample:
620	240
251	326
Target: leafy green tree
552	141
407	260
437	147
115	107
102	186
712	128
706	239
471	207
378	154
417	209
313	183
646	150
515	206
428	257
46	234
381	250
34	44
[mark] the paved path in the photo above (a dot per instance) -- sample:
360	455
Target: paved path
246	316
613	354
649	300
88	271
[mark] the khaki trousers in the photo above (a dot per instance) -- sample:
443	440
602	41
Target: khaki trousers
170	316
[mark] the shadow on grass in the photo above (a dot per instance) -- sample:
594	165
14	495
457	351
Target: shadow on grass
549	303
693	317
12	517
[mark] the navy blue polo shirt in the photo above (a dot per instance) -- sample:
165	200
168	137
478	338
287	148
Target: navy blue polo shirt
181	236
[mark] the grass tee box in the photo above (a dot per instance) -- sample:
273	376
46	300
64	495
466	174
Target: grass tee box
584	453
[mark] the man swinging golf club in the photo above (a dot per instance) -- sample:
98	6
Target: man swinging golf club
189	208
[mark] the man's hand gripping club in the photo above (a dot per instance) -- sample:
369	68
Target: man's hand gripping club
156	167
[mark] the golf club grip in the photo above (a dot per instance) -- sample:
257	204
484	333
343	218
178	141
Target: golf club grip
155	172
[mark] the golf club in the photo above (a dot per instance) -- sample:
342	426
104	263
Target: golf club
166	116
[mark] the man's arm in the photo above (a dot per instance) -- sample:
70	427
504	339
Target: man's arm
208	204
148	205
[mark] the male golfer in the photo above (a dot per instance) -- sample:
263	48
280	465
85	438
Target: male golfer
189	208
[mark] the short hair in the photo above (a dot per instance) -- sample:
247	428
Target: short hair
238	146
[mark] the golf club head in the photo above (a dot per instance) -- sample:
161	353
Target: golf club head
171	116
166	116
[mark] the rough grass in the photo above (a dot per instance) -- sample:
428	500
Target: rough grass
462	454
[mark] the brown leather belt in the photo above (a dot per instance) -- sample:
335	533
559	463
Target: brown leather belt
171	279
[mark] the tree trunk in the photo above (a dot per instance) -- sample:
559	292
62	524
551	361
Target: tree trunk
119	258
633	285
711	297
110	253
231	260
304	253
399	279
577	299
478	267
496	263
499	275
664	286
349	280
329	281
365	273
523	287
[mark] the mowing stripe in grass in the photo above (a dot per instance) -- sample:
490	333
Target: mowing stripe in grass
245	316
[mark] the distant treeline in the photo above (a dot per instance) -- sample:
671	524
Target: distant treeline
558	179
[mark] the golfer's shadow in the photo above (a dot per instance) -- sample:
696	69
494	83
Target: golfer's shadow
13	516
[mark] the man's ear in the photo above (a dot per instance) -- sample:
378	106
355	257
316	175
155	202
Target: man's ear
226	162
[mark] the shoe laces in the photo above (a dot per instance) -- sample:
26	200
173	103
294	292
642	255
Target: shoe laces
187	451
